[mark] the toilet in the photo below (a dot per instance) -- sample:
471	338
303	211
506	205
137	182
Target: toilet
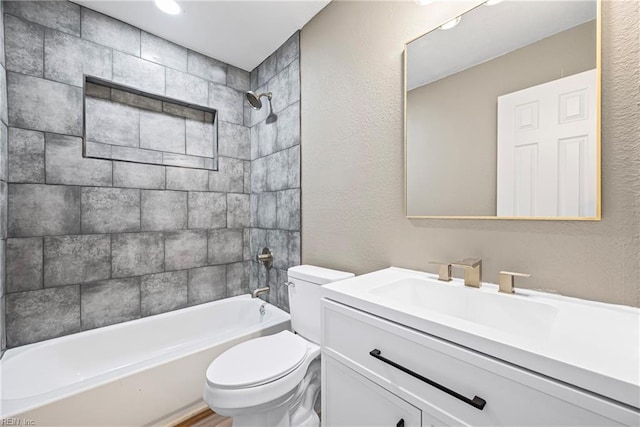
275	380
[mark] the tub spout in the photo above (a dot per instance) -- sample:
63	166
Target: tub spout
259	291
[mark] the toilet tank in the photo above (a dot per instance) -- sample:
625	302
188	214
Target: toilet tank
305	295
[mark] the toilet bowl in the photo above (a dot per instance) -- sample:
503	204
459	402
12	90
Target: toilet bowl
275	380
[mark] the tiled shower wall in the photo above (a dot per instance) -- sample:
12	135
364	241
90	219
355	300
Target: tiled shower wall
3	181
96	242
275	169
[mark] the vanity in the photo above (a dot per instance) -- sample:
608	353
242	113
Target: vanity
400	348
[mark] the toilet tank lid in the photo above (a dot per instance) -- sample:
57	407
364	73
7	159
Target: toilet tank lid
318	275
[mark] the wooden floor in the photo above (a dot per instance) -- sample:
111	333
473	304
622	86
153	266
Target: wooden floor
206	418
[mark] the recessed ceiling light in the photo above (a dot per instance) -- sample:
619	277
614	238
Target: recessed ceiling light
168	6
450	24
492	2
423	2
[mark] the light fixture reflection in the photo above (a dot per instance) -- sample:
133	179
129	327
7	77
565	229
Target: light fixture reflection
168	6
492	2
450	24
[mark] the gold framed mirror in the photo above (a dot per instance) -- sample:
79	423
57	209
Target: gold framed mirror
502	113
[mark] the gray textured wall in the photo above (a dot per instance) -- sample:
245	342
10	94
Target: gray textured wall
352	161
96	242
3	181
275	170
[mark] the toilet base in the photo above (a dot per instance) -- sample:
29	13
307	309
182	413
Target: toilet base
295	411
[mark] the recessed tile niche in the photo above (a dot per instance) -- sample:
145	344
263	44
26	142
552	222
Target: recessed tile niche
121	123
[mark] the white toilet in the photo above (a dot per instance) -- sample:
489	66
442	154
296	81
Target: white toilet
275	380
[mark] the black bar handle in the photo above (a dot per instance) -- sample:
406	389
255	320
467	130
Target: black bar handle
476	402
400	423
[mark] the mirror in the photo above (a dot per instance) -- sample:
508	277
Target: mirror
502	113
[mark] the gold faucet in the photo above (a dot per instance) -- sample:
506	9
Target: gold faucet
472	271
506	281
444	270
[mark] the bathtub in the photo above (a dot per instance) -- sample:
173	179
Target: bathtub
149	371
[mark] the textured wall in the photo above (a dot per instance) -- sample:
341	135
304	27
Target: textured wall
96	242
352	162
3	181
275	170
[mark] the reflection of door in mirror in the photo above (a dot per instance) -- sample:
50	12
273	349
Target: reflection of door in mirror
547	149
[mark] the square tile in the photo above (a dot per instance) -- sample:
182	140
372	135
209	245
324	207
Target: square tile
225	246
76	259
288	209
110	210
137	175
135	254
237	279
207	68
207	210
162	132
39	210
24	46
26	156
163	52
237	210
67	59
185	249
65	164
41	315
113	123
109	302
44	105
24	264
110	32
207	284
138	73
60	15
163	292
187	179
228	102
164	210
188	88
200	138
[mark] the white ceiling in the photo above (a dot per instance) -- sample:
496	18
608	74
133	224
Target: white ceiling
240	33
487	32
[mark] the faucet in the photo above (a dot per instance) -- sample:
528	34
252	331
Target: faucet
506	281
257	292
472	271
444	270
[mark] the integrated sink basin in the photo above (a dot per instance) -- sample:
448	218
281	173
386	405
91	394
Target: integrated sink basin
518	316
595	346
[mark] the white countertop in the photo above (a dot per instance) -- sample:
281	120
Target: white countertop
591	345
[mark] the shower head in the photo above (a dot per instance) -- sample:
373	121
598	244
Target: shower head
254	101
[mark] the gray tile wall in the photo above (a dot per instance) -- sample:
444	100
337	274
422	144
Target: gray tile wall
4	172
275	169
94	242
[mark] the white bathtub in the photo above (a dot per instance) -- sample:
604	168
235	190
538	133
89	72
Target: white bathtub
142	372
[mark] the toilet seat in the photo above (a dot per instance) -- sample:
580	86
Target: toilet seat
257	361
232	397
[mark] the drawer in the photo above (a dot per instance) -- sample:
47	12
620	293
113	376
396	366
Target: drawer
349	399
428	372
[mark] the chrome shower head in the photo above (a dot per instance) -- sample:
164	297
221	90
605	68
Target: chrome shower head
254	101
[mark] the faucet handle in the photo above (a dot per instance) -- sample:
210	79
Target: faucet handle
506	280
468	263
444	270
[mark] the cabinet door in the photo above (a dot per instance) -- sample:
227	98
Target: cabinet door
349	399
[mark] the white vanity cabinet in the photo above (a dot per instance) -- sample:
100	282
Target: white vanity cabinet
377	372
